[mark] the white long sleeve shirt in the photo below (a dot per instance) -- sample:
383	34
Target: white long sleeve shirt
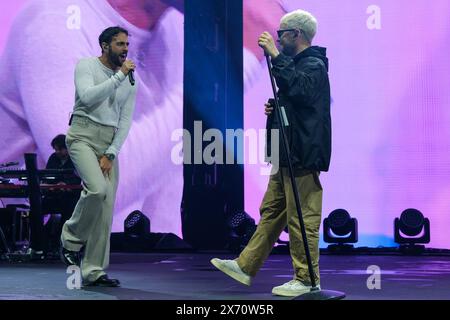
106	97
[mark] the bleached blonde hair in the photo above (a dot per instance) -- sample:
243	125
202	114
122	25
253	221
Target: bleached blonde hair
301	20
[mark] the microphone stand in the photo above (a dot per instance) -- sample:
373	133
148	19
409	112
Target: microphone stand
315	293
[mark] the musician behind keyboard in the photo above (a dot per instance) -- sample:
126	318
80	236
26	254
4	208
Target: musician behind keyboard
61	202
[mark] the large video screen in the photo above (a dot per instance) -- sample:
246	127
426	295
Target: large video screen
390	80
40	44
389	76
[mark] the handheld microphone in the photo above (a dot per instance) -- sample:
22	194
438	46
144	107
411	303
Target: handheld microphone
131	77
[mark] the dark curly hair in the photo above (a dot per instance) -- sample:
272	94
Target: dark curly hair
109	33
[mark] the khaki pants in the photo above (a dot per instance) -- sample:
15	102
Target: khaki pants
278	210
90	224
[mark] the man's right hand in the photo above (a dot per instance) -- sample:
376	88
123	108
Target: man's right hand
268	109
127	66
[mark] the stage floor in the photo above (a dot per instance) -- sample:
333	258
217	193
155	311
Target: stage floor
187	276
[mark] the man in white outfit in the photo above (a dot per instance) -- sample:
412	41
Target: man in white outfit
101	120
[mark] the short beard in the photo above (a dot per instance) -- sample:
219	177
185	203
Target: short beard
114	58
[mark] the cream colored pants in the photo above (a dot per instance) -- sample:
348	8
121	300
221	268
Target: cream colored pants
90	224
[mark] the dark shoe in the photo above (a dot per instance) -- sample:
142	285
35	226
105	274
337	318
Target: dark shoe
104	281
70	258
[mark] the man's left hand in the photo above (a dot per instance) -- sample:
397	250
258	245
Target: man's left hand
106	166
266	42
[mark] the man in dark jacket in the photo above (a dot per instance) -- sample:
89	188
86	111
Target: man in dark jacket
301	74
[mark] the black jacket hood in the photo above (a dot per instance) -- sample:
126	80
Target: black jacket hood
314	51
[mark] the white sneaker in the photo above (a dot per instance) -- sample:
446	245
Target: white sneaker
231	268
292	288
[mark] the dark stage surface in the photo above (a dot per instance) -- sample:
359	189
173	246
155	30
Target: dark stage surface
186	276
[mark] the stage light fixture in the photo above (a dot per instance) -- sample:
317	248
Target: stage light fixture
411	229
340	229
136	224
242	227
